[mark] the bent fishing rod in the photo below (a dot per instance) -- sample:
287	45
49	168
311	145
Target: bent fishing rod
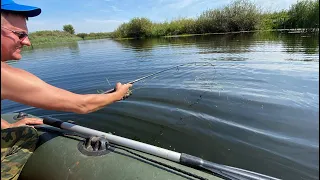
153	74
181	158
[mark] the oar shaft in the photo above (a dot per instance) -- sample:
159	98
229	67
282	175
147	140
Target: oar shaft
231	172
157	151
182	158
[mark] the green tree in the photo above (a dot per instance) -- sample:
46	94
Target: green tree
139	27
121	31
68	28
304	14
275	20
136	28
82	35
240	15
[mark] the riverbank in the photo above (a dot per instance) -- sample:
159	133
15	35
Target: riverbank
299	31
241	16
238	16
45	38
42	38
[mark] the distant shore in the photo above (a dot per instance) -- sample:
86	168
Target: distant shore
298	31
58	37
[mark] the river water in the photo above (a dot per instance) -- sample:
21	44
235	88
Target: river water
255	106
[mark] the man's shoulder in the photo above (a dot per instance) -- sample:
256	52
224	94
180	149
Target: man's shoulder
4	66
7	69
6	74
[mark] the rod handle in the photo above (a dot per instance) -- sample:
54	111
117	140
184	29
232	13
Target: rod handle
110	91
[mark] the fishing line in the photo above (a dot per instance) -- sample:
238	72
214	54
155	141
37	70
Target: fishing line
162	71
148	78
201	81
108	81
202	78
189	104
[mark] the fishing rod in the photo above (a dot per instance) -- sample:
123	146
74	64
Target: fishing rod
153	74
181	158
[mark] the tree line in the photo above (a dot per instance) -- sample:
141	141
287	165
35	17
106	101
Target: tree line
240	15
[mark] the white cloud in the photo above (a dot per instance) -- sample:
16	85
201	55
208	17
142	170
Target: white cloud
115	9
84	26
104	10
36	22
38	25
181	4
97	25
156	10
103	21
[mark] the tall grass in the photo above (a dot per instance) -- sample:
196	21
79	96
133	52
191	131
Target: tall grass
100	35
137	27
45	37
275	20
304	14
240	15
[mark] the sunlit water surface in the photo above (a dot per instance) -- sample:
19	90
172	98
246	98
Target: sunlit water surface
256	108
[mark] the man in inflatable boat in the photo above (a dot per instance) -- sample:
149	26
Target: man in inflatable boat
18	140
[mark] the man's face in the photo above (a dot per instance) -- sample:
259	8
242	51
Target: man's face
11	44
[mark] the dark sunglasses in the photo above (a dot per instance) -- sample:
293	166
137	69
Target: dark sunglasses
21	35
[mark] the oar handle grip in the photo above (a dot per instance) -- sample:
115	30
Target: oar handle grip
52	121
190	160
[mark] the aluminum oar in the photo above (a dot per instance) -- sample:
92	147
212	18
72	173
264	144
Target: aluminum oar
182	158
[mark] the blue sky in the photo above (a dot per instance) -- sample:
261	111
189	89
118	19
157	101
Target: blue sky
106	15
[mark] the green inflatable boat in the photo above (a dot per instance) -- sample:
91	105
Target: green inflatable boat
73	152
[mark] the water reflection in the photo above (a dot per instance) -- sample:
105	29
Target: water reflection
308	44
70	45
230	43
252	110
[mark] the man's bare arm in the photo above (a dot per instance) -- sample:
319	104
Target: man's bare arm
22	122
4	124
23	87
